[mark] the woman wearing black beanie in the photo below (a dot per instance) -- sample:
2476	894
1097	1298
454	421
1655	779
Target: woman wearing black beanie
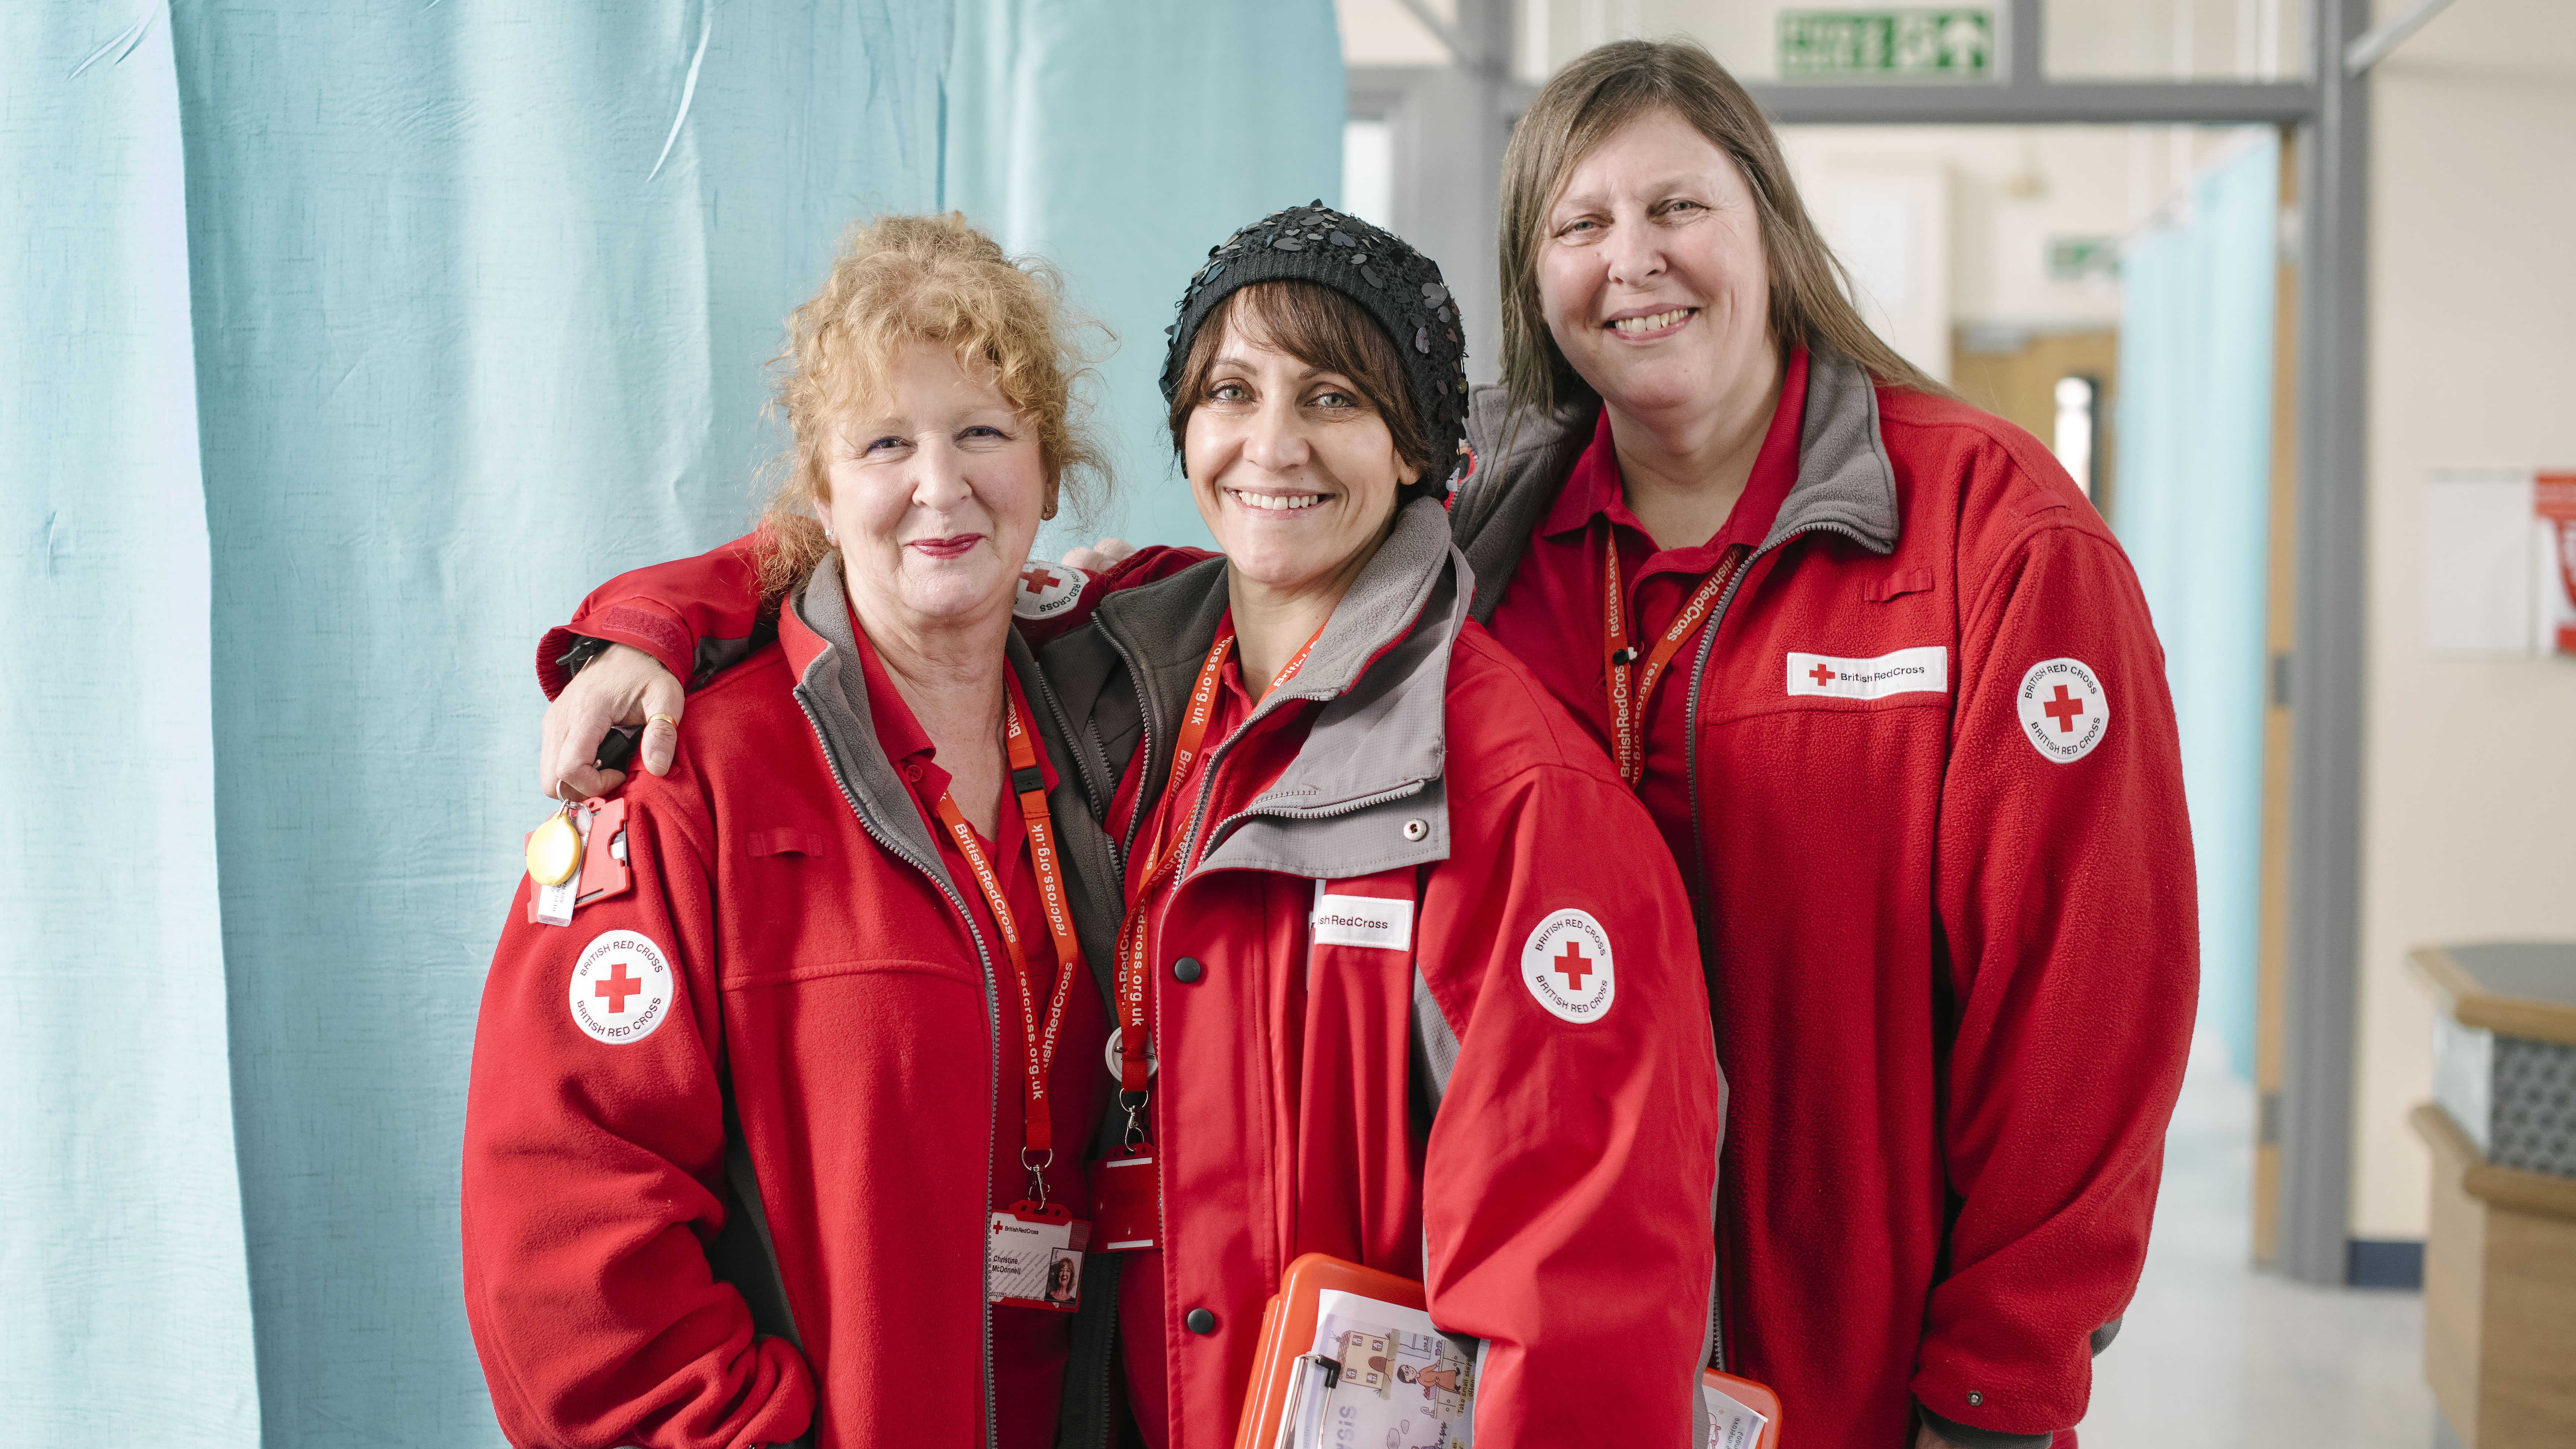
1407	977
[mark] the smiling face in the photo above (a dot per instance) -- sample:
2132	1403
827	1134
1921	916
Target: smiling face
1293	470
937	486
1651	272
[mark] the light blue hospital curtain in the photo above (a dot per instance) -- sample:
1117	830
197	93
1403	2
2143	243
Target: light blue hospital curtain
2192	505
1124	138
123	1285
347	346
475	326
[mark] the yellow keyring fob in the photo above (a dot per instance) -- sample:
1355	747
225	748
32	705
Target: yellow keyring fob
554	850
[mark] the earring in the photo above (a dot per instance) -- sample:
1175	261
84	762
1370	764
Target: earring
828	538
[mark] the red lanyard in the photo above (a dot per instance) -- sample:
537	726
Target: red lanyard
1628	698
1165	837
1038	1142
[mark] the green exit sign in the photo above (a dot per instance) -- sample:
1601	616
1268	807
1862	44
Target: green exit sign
1887	44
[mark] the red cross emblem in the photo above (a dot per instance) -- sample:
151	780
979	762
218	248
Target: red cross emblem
1573	965
2063	709
617	987
1821	674
1036	580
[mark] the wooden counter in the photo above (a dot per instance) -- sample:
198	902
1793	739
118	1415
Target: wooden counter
2500	1259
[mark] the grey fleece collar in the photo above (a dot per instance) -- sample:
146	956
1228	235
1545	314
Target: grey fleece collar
1381	666
1845	482
834	690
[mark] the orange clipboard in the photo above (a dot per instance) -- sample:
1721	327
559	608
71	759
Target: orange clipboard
1752	1396
1288	1330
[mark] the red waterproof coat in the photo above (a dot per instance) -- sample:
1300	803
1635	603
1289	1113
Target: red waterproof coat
792	951
1936	831
1424	997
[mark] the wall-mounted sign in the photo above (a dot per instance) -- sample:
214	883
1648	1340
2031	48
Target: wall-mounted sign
2073	258
2553	502
2500	561
1887	44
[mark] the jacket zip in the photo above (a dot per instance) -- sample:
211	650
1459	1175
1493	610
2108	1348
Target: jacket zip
992	1021
1699	837
1118	862
1136	821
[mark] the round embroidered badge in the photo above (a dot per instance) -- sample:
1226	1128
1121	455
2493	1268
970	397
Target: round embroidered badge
2064	711
1567	967
621	987
1046	590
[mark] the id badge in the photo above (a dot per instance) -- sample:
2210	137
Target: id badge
1033	1258
1127	1201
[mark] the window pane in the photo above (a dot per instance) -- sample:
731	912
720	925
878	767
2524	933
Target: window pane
1368	171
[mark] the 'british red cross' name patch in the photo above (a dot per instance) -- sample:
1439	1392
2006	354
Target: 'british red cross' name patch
1907	671
1567	968
1046	590
621	987
2064	711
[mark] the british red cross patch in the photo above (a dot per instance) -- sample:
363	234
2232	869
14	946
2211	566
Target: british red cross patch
1567	967
2064	709
1046	590
621	987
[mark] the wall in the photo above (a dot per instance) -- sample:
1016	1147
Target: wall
2469	786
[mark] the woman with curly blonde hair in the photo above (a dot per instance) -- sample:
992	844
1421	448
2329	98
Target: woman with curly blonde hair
779	1105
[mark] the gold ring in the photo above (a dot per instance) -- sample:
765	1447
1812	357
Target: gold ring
664	718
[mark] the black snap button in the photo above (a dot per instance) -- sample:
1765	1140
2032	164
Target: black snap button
1187	969
1201	1321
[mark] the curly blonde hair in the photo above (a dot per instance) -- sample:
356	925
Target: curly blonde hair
932	279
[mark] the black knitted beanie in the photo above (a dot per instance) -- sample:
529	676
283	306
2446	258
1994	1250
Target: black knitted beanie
1398	286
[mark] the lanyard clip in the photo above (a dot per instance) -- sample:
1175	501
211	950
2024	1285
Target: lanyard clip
1136	1134
1037	1175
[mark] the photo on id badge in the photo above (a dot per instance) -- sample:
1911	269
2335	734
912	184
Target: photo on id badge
1034	1260
1401	1383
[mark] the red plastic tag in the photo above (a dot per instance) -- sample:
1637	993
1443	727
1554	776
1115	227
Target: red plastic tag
1127	1201
1033	1258
603	856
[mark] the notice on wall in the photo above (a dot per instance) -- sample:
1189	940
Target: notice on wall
2500	561
2553	502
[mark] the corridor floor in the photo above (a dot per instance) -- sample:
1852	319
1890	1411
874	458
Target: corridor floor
2215	1355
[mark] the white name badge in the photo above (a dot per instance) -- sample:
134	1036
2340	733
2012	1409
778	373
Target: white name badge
1361	921
1034	1259
1907	671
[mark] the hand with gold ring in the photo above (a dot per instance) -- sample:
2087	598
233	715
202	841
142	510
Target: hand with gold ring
623	686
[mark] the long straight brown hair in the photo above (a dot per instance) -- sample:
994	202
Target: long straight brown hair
1597	95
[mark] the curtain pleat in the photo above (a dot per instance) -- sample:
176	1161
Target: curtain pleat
123	1281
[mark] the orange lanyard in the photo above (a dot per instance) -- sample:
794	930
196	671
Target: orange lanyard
1165	838
1029	784
1628	697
